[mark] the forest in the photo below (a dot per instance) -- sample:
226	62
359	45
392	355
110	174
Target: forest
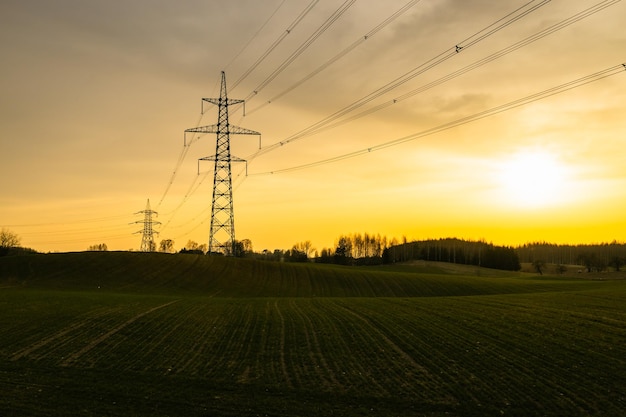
376	249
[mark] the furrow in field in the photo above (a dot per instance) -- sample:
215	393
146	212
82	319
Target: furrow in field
516	357
93	343
298	348
185	346
284	372
61	334
201	355
242	338
496	374
565	346
352	355
404	372
254	342
318	365
216	354
144	345
165	339
406	329
458	349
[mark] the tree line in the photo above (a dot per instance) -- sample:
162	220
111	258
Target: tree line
375	249
594	257
458	251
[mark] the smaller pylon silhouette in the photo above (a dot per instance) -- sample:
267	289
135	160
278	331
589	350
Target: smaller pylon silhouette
147	237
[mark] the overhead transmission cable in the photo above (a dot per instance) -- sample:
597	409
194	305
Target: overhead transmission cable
422	68
277	42
185	149
494	27
597	76
304	46
190	191
91	238
179	162
340	55
255	35
64	223
466	43
318	32
204	210
505	51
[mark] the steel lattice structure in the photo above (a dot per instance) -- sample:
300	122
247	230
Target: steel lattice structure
222	233
147	237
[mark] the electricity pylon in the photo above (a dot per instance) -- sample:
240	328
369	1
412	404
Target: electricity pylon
147	237
222	233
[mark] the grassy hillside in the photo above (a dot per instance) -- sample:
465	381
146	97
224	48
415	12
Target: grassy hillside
230	277
128	334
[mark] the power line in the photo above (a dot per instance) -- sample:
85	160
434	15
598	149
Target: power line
82	240
303	47
196	136
277	42
190	191
478	36
443	56
469	41
505	51
64	223
477	116
340	55
179	161
255	35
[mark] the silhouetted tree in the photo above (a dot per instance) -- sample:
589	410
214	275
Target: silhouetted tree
538	266
243	248
100	247
343	252
8	240
305	247
325	257
166	245
191	245
295	255
617	262
588	260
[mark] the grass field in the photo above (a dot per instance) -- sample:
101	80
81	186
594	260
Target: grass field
128	334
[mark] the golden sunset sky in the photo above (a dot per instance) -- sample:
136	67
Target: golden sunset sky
96	96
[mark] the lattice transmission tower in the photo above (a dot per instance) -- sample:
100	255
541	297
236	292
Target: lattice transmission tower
147	237
222	232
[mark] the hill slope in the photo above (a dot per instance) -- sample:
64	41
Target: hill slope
231	277
132	334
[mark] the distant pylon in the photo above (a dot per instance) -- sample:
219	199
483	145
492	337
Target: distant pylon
222	233
147	237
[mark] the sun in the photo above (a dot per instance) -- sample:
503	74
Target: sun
532	179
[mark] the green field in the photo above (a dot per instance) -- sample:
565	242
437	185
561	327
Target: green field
130	334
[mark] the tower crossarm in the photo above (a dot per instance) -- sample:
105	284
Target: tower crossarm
223	101
144	222
232	129
215	158
150	212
